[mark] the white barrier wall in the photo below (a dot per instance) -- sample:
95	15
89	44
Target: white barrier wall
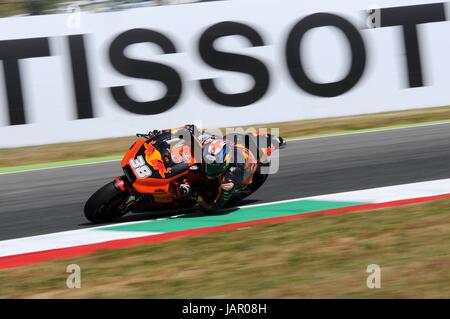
87	76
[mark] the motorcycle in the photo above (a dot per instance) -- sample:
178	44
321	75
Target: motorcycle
154	167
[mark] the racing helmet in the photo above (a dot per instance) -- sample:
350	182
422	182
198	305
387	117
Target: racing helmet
215	158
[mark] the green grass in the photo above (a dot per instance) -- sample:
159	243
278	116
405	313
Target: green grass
118	146
321	256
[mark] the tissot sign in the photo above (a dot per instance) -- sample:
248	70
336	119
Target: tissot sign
225	63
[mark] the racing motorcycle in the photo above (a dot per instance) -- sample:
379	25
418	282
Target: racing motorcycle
154	167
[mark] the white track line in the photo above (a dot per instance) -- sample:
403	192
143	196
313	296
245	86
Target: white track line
96	234
392	193
63	240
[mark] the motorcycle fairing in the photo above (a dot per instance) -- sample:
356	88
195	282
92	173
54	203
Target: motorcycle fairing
157	155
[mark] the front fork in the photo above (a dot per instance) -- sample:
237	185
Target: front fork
121	184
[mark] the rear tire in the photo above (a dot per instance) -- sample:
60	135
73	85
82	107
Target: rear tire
258	180
104	205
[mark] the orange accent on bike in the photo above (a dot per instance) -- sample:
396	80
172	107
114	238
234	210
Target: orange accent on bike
132	152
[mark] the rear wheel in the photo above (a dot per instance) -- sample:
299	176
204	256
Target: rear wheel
257	181
105	205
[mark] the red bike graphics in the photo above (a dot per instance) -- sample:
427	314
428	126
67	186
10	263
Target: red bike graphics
154	159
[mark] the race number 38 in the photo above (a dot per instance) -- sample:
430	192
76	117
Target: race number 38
140	168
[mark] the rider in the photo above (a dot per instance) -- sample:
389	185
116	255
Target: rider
231	165
227	161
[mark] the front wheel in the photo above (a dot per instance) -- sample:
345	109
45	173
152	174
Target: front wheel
105	205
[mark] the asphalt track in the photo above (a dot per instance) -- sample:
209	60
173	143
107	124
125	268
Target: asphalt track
44	201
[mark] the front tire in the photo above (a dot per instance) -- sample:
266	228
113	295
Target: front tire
104	205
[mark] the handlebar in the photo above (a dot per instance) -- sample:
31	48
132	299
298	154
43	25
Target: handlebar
147	136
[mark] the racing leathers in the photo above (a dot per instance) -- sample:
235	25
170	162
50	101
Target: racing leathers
231	172
226	162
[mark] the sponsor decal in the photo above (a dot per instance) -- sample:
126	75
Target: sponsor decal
154	159
238	72
409	18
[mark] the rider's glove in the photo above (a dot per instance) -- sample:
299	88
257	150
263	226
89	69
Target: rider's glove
154	133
